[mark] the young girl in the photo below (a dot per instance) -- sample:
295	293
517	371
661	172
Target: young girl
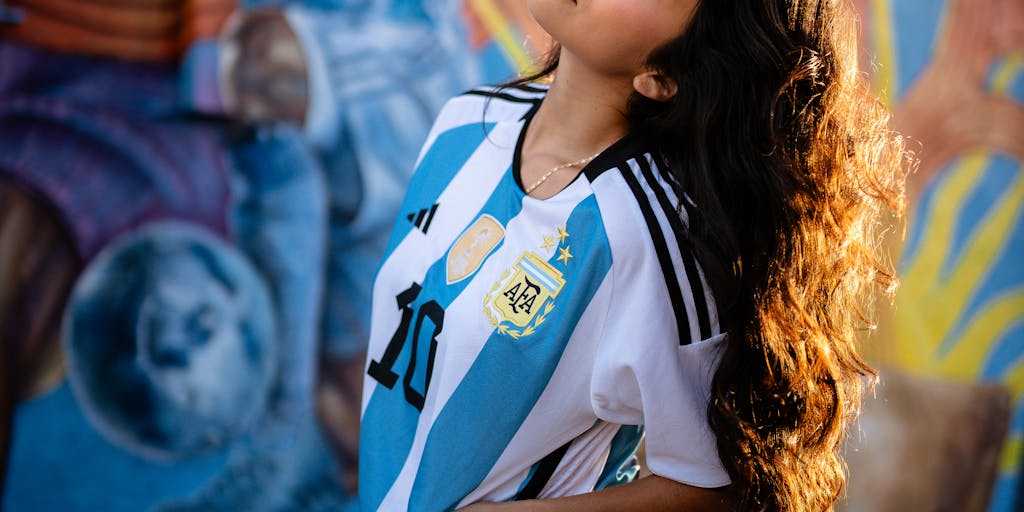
541	305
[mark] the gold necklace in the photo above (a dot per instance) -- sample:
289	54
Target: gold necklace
582	161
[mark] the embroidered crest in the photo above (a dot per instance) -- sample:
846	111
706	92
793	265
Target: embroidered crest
522	298
472	247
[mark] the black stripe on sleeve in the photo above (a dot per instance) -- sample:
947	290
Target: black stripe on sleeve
545	468
689	262
663	166
661	249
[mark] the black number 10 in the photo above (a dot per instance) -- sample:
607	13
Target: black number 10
382	370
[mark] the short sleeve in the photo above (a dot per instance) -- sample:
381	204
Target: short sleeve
643	375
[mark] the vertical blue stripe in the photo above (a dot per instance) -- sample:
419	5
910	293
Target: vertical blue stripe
622	465
507	378
389	423
437	169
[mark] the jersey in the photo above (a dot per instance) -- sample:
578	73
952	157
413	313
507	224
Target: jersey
519	347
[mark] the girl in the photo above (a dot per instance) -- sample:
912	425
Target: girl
541	304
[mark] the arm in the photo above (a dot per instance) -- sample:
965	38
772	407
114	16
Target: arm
647	494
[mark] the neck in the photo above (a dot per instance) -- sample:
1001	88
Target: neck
592	105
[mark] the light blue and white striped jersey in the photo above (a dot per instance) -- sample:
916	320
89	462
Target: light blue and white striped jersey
518	345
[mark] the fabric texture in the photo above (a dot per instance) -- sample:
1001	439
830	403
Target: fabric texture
520	337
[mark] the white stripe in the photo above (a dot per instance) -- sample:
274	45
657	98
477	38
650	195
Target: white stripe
469	109
564	402
673	199
536	273
675	256
521	235
622	216
416	253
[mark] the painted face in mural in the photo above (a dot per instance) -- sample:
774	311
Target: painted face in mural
170	340
190	344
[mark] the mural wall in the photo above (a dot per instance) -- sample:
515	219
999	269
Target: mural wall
193	199
953	71
193	195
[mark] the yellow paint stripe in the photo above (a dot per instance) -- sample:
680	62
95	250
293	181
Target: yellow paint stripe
1013	450
914	346
1007	72
986	245
884	43
502	33
968	356
1009	459
922	272
918	325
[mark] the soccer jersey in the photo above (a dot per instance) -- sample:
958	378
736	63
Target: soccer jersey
521	347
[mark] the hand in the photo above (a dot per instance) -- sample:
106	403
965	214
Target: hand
950	107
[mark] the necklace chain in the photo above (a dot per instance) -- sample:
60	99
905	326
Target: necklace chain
542	179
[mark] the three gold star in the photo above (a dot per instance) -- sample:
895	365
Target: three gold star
564	255
549	242
562	234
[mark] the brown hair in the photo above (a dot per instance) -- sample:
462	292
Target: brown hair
793	167
792	164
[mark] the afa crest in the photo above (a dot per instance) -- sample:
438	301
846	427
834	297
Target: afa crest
524	295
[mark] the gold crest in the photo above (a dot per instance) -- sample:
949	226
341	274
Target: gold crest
524	295
472	248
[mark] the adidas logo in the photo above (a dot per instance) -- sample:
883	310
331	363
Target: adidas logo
422	218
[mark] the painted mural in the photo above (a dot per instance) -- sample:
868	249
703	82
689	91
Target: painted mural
155	156
953	71
193	199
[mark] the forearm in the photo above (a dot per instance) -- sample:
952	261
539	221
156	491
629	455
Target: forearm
652	493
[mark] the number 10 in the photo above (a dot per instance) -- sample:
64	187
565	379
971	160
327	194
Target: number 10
382	370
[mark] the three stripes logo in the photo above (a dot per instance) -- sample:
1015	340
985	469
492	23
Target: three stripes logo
422	218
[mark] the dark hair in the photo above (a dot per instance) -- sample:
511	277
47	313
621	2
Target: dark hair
790	160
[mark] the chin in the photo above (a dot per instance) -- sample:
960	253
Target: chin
550	14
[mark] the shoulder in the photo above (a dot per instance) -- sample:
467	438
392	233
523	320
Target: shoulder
646	219
631	178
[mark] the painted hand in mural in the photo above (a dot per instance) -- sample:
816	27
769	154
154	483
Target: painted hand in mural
951	107
961	292
265	75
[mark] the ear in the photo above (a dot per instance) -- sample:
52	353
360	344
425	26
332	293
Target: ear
655	86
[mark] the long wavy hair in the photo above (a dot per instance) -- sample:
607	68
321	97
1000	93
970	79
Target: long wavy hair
795	172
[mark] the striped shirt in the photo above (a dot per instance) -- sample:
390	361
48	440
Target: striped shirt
520	347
